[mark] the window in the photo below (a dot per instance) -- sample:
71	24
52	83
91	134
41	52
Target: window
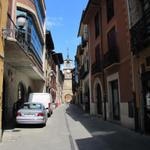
110	9
32	106
131	109
111	37
97	54
39	12
97	26
32	35
35	38
115	99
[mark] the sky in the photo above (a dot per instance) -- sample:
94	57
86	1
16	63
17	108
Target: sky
63	20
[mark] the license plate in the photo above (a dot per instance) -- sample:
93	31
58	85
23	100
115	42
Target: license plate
29	114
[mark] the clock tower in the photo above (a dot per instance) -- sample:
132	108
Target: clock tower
67	86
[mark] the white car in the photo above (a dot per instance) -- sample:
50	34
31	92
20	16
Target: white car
44	98
31	113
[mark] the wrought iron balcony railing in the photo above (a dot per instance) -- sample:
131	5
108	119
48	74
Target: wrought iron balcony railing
22	37
140	33
11	31
83	42
111	57
96	67
83	72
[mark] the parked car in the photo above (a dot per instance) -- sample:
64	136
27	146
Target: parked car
44	98
31	113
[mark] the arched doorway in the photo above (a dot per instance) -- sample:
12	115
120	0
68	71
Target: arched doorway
21	97
21	92
99	99
68	98
87	97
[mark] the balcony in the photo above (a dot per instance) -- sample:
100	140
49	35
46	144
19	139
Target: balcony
111	57
20	53
80	49
83	42
140	34
83	72
96	67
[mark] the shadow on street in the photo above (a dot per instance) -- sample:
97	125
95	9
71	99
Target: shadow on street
106	135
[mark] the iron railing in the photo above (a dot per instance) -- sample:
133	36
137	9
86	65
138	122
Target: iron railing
83	72
83	42
96	67
111	57
22	37
140	33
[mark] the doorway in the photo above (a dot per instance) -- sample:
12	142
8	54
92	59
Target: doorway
146	98
115	100
99	99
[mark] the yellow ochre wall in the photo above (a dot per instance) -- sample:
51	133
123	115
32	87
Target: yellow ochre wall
3	19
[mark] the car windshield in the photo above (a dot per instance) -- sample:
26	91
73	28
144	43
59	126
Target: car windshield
32	106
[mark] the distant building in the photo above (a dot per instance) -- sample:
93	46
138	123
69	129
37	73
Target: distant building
53	74
67	86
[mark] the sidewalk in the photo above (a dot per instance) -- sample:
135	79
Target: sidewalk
102	135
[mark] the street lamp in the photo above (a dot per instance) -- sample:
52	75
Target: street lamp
22	35
21	21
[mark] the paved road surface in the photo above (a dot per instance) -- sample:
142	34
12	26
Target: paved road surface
71	129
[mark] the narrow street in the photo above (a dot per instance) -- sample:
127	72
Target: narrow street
71	129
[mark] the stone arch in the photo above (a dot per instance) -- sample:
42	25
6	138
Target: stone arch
98	95
68	97
21	97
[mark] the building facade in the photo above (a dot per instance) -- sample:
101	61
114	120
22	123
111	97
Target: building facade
84	65
3	19
50	66
24	54
110	61
59	85
67	86
117	62
53	74
77	82
95	55
139	21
